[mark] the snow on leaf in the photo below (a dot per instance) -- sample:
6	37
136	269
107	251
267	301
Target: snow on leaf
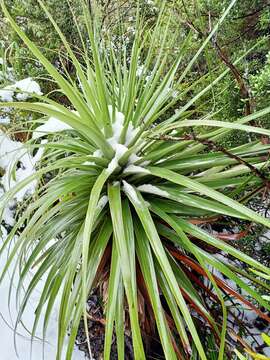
153	190
52	125
120	150
131	192
133	169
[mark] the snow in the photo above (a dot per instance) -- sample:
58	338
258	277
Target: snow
133	169
140	70
12	152
102	202
8	150
23	340
98	153
153	190
112	165
9	211
4	120
145	163
131	133
27	87
133	158
90	163
118	120
52	125
163	159
117	126
131	192
6	94
120	150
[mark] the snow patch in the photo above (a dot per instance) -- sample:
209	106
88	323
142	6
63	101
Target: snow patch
4	120
133	158
120	150
131	192
98	153
6	94
140	70
163	159
153	190
13	152
131	133
102	202
118	120
52	125
133	169
90	163
117	126
27	87
24	339
145	163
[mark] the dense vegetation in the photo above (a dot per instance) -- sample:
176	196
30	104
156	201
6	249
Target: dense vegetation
164	109
246	27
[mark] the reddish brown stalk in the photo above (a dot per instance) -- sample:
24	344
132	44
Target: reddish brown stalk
195	278
103	263
209	220
149	326
96	319
236	236
243	86
149	322
198	310
188	261
171	325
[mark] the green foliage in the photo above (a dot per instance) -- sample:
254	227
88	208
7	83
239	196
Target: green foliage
245	26
36	25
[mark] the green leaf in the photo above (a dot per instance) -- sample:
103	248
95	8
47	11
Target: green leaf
152	234
204	190
147	266
124	254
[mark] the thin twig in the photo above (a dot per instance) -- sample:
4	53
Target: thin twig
214	146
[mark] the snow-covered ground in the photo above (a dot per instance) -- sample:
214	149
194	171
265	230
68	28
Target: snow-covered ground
7	317
241	312
10	152
23	338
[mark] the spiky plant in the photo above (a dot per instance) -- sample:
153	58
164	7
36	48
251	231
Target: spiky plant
127	192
